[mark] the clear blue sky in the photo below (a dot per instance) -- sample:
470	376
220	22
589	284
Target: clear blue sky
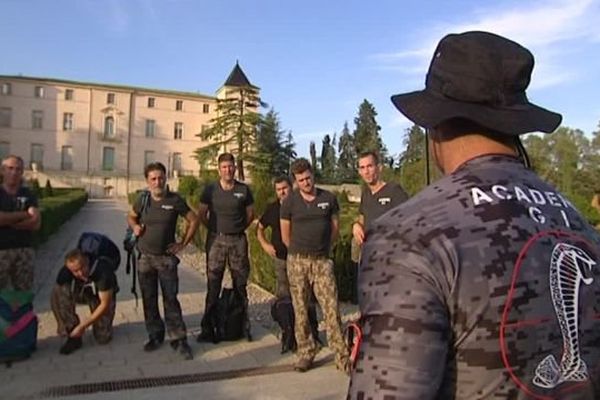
315	61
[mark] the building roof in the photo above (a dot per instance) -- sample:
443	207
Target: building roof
108	86
237	77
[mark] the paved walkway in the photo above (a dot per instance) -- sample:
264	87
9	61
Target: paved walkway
122	370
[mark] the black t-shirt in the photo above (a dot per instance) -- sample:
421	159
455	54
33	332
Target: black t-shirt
11	238
310	222
159	220
227	208
374	205
271	219
101	274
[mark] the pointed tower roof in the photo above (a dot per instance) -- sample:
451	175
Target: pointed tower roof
237	77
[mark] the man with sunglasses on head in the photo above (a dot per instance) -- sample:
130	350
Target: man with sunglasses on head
486	284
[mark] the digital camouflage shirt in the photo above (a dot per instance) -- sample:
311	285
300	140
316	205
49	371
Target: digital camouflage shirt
486	285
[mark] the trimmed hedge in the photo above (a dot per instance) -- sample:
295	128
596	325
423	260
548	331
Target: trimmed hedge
56	210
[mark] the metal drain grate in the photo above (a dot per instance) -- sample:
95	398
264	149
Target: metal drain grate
143	383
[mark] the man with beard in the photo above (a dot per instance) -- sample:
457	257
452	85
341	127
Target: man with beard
158	262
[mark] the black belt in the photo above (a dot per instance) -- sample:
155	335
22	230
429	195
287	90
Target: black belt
227	234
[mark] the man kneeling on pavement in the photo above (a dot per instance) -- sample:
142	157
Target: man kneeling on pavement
84	281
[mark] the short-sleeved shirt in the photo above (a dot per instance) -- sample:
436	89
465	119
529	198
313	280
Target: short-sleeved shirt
159	220
271	219
484	285
374	205
310	222
227	208
101	274
11	238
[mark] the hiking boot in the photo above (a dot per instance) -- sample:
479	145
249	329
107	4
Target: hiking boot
183	348
303	365
153	344
71	345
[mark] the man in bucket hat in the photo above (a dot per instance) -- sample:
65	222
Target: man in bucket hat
487	283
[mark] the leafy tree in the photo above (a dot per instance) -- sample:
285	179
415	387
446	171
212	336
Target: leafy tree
328	159
288	151
412	161
273	151
347	162
235	128
313	158
366	133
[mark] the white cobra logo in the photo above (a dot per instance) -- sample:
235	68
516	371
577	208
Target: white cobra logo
568	267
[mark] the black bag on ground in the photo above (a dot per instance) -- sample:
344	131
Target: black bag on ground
230	316
282	311
18	326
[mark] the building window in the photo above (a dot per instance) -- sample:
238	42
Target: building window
109	127
179	105
150	125
205	108
69	94
4	150
37	119
203	128
5	117
148	157
108	158
66	158
178	130
151	102
110	98
176	164
37	156
6	88
67	121
39	91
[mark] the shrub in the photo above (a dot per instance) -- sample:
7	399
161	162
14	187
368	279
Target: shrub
57	210
48	192
34	185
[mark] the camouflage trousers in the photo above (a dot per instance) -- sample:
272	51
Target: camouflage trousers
152	271
63	301
16	268
283	285
304	273
221	251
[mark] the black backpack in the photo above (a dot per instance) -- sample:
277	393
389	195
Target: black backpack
130	245
96	245
230	316
282	312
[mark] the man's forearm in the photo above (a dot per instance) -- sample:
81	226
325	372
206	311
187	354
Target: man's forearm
192	227
14	217
105	299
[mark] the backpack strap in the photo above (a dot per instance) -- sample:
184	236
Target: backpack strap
133	256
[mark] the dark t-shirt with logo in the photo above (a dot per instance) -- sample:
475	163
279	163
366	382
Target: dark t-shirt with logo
373	205
227	208
310	222
11	238
484	285
271	219
160	220
101	274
